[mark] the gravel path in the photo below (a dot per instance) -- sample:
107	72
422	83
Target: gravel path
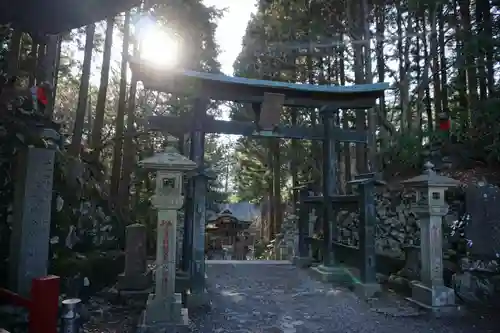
262	297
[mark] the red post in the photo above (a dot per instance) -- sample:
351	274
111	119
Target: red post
44	305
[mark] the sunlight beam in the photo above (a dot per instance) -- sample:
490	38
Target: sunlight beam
157	45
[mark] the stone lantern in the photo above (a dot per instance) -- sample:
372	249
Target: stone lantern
164	307
430	206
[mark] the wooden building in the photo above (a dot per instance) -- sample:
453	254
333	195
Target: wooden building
233	220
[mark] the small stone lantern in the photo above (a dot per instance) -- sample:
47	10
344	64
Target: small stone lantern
430	206
164	306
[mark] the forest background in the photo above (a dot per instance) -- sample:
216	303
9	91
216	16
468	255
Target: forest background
440	57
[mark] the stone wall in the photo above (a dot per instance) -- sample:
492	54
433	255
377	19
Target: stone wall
397	225
476	281
285	246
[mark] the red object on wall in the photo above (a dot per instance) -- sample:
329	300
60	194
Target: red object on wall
41	95
445	125
44	305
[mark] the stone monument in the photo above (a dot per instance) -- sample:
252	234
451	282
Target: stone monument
430	206
137	276
483	227
164	310
29	247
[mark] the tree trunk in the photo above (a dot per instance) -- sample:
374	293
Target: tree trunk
33	64
436	83
76	140
14	48
488	45
88	123
469	52
463	116
357	31
379	51
403	58
428	100
129	152
100	108
372	118
481	65
443	62
315	148
418	69
120	114
40	56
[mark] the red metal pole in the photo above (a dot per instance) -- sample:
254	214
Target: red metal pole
14	298
44	305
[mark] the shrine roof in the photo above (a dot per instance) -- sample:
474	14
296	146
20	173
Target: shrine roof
239	89
243	212
210	215
57	16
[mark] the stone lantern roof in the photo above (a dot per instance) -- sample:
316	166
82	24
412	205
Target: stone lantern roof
429	178
170	159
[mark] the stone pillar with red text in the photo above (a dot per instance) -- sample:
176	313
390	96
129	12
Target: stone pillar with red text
165	304
164	307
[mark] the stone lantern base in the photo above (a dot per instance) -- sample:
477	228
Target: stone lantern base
439	299
162	315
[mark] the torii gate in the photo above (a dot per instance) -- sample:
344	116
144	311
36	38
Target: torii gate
267	99
58	16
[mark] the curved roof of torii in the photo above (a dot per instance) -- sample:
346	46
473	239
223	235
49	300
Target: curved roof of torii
57	16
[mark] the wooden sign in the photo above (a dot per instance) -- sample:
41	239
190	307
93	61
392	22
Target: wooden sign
270	111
